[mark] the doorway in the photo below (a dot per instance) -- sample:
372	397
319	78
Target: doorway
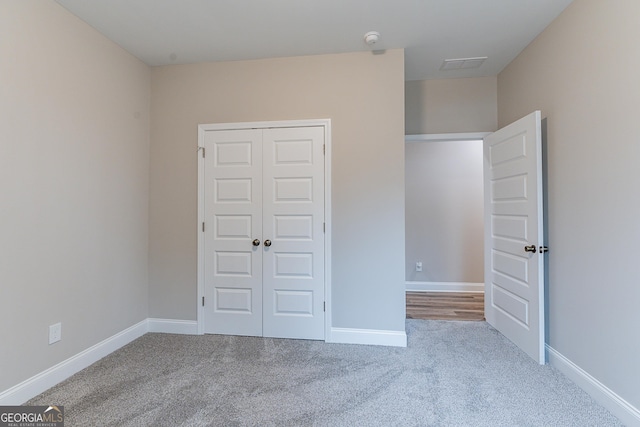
444	227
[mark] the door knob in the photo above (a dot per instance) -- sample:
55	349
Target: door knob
267	243
256	242
530	248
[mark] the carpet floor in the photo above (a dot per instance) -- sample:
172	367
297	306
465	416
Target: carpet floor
451	374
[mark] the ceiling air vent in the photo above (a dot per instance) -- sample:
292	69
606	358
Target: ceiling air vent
463	63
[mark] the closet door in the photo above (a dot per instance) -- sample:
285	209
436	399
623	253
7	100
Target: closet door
293	212
264	232
233	226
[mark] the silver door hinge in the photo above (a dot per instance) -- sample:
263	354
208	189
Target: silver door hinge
203	301
324	227
203	152
203	226
324	306
324	149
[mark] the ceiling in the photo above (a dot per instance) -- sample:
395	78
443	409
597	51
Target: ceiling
162	32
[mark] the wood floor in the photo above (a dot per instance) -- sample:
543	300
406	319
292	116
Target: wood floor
445	305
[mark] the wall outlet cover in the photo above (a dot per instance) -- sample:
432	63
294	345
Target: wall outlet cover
55	333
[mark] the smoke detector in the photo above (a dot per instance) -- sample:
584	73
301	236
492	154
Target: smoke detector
371	38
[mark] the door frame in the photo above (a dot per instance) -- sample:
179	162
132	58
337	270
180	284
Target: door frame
202	128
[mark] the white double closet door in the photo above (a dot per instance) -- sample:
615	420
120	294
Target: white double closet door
264	235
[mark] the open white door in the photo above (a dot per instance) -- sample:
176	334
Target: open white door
514	247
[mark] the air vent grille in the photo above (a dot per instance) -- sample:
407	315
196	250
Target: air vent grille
463	63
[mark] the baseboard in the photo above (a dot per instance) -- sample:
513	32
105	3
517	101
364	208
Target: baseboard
619	407
171	326
368	336
43	381
444	287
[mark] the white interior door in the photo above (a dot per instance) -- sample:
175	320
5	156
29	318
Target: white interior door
293	209
233	220
263	232
514	247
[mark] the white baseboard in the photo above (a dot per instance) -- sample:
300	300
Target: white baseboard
444	287
368	336
43	381
170	326
619	407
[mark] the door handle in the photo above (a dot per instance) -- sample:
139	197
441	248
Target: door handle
256	242
267	243
530	248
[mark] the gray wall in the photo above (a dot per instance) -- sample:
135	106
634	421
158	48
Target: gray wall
363	95
74	147
444	211
451	105
582	72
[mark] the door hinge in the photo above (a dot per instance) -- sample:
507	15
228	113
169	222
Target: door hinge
324	306
324	149
203	152
324	227
203	301
203	226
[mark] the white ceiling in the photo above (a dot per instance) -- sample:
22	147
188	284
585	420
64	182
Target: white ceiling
161	32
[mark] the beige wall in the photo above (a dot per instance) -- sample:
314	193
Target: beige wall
582	72
74	144
363	95
444	211
451	105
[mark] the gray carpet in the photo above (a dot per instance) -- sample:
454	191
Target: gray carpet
451	374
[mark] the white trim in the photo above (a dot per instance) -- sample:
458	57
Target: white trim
326	123
200	234
444	287
172	326
368	336
327	234
443	137
619	407
46	379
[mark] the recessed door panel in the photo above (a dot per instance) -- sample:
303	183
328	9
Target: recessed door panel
293	227
513	188
510	149
233	226
293	152
233	300
510	265
233	153
293	265
288	190
230	190
511	305
510	227
293	303
233	264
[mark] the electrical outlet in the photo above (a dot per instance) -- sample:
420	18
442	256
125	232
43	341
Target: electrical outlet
55	333
419	266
